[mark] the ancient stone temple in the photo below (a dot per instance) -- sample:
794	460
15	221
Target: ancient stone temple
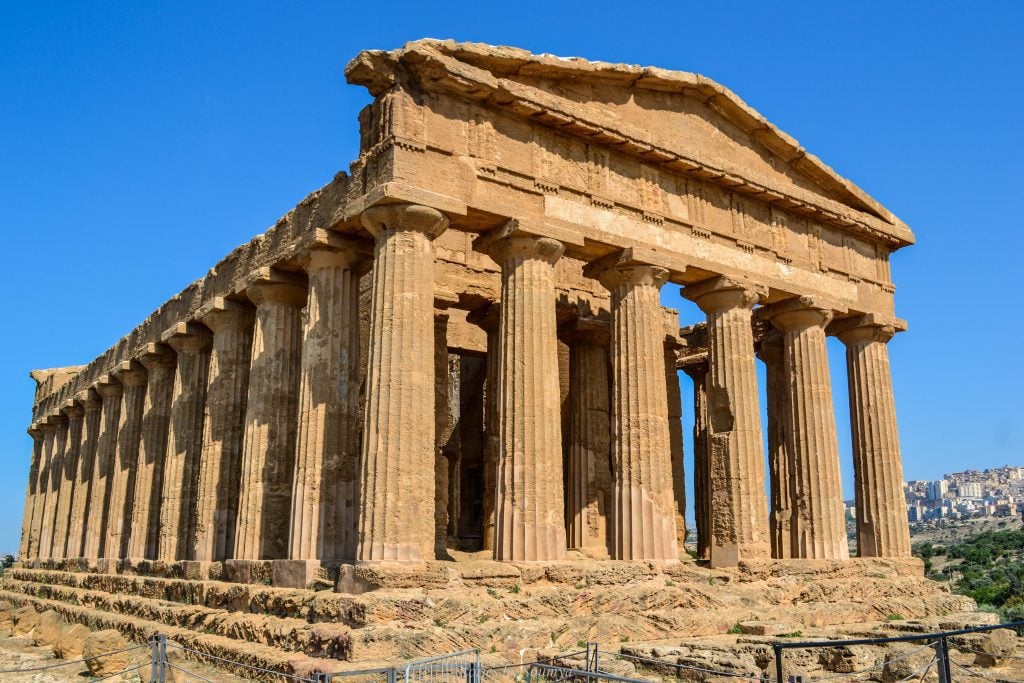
458	346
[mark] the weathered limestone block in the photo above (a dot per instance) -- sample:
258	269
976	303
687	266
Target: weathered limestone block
48	628
882	527
103	649
30	495
68	475
25	619
71	642
698	372
132	376
739	525
589	497
223	428
818	521
191	343
268	456
54	469
324	513
644	498
529	522
160	363
398	429
80	504
111	391
770	351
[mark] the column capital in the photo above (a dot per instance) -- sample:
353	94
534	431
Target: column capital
770	348
188	337
35	430
523	247
131	373
697	370
48	425
389	218
724	292
800	313
621	269
89	400
586	330
155	357
286	293
72	409
107	386
320	257
487	317
220	313
866	328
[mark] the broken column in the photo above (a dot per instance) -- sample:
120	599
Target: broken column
590	483
132	376
223	427
160	363
882	527
739	524
771	353
818	520
110	390
644	499
323	514
529	515
268	456
396	512
92	406
191	342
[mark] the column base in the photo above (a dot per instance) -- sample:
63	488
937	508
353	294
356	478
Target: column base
197	570
249	571
107	565
310	574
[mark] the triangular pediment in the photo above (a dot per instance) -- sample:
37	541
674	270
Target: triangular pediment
662	116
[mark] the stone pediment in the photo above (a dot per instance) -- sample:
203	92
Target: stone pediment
680	120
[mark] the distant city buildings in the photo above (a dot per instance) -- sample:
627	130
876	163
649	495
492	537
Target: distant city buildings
961	495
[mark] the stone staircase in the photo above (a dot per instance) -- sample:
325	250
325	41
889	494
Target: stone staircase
400	613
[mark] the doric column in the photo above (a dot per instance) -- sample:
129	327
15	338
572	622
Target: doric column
882	528
160	363
644	499
529	517
268	456
110	391
91	405
590	482
398	431
191	343
770	351
30	495
324	513
739	524
68	476
817	523
675	434
698	372
132	376
489	318
36	535
223	428
54	474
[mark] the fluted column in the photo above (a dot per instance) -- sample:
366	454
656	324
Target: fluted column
36	535
191	343
268	456
739	524
488	318
160	363
698	372
529	517
24	548
644	499
223	428
132	376
398	431
106	446
590	482
80	503
882	528
68	476
54	473
818	524
675	435
770	351
323	516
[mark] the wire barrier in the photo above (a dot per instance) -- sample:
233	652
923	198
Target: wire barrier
71	662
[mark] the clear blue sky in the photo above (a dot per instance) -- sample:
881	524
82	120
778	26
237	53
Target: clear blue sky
140	142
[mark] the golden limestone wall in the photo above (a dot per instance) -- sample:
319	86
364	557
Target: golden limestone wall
459	345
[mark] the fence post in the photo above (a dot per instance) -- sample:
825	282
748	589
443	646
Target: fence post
778	662
392	675
154	658
162	658
592	649
942	648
